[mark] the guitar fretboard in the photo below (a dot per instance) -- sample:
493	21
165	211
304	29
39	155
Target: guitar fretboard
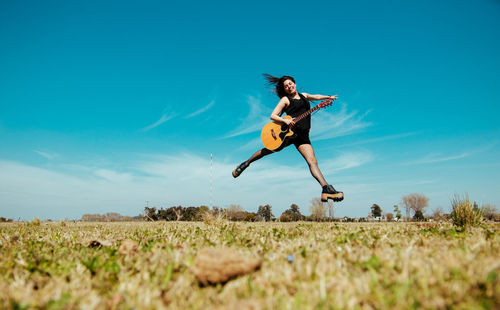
323	104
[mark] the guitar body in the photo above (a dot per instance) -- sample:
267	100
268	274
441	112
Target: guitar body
275	135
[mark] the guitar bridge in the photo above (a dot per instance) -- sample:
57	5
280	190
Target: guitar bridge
273	134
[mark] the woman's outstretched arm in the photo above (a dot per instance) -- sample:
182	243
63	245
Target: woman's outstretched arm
319	97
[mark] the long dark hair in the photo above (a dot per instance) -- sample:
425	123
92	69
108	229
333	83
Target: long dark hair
280	88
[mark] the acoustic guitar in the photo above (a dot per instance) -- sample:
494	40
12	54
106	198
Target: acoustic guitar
274	135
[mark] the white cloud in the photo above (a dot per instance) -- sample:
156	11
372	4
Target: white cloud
46	155
183	179
113	176
165	117
254	121
324	125
347	160
252	145
205	108
438	157
336	124
383	138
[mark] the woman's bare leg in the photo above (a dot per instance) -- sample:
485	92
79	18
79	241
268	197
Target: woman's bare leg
258	155
329	192
306	150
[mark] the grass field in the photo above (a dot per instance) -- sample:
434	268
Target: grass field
334	266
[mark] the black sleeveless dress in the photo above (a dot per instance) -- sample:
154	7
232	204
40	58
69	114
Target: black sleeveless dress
294	109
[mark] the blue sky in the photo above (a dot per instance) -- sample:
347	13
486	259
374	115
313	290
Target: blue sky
107	105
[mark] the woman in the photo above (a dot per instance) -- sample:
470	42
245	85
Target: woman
294	104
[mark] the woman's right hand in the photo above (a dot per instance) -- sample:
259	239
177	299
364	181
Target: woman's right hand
289	122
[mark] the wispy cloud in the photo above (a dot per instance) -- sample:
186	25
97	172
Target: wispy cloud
113	176
254	121
438	157
347	160
166	180
338	123
383	138
165	117
325	125
205	108
46	155
252	145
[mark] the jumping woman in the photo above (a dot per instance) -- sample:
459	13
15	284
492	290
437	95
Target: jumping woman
294	104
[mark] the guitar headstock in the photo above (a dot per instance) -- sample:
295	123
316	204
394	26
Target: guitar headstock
325	103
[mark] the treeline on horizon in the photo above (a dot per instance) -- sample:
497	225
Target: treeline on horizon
265	214
232	213
414	205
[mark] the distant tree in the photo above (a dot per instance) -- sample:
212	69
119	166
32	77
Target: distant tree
489	212
216	211
109	217
139	217
265	212
250	217
438	214
178	212
318	210
167	214
376	210
85	218
397	212
172	214
292	215
331	211
476	206
235	213
113	217
93	218
201	212
415	202
389	217
285	217
3	219
407	209
189	214
150	214
419	216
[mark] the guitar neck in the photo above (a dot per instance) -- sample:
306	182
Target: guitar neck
301	116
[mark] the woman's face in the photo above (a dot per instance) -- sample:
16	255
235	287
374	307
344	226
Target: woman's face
289	86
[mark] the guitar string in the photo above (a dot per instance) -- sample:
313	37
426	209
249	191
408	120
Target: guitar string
313	110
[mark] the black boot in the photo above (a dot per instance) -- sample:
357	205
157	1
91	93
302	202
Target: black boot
239	169
330	193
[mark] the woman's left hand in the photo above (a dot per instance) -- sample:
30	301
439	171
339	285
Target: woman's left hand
334	97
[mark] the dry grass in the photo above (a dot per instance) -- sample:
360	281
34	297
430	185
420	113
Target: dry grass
335	266
463	213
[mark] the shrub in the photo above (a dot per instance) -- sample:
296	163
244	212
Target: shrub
489	211
217	218
250	217
464	213
389	217
285	217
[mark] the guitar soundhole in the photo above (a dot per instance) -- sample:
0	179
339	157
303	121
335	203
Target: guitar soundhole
273	134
